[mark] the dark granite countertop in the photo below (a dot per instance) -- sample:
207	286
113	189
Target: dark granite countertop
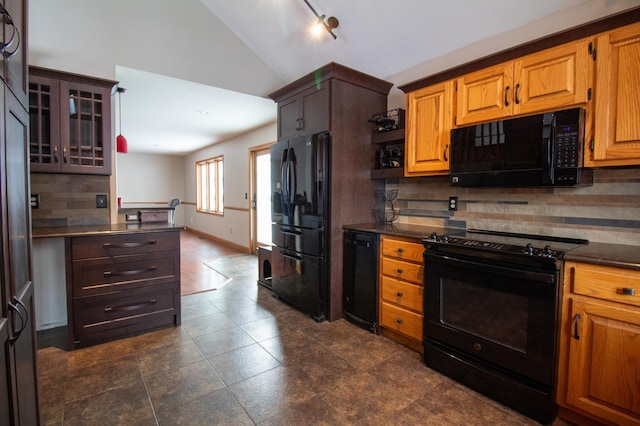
616	255
116	228
399	229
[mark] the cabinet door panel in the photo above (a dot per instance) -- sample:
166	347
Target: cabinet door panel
553	79
288	123
15	55
5	380
604	378
315	110
44	124
485	95
617	98
429	123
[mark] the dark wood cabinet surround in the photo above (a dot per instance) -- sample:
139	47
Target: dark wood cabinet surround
339	100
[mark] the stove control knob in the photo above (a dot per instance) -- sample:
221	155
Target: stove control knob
529	249
548	251
445	238
433	237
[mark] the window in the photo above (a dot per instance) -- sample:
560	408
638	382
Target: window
209	185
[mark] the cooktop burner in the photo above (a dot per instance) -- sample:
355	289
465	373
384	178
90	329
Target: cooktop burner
508	242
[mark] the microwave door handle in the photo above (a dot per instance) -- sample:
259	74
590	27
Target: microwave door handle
550	160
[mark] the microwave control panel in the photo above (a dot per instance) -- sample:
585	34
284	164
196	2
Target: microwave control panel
567	146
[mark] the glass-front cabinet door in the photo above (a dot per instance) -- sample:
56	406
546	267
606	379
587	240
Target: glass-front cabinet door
86	135
44	125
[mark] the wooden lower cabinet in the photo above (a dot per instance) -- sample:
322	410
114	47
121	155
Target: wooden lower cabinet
599	375
120	285
401	289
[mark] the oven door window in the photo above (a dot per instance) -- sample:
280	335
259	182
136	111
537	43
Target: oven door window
504	316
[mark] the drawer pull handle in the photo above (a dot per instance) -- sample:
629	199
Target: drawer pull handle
130	307
401	250
128	245
576	320
131	272
628	291
399	320
400	294
400	271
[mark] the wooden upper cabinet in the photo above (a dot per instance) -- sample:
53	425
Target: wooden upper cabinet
617	99
70	123
552	79
305	113
429	123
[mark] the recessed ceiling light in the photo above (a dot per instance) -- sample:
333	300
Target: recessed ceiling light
202	112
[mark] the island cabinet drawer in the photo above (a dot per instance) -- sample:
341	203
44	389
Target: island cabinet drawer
126	311
605	282
403	270
401	293
401	321
106	274
123	244
402	249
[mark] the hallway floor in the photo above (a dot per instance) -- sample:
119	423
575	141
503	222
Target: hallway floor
242	357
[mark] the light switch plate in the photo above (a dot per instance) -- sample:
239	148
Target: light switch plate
101	201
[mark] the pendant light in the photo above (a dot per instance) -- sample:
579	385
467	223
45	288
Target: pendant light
121	142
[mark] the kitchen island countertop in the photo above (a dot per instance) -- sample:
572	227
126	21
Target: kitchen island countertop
115	228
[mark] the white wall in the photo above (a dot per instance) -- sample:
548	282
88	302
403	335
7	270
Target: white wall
233	226
143	180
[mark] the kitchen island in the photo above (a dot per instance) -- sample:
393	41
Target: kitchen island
118	280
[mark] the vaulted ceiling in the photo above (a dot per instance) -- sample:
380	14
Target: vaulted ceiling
198	72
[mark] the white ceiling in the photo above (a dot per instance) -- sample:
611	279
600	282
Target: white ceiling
254	47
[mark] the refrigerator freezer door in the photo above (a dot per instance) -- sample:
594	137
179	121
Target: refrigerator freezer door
298	280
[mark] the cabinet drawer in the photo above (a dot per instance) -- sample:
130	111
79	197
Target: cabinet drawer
122	309
402	249
403	270
605	282
107	274
401	293
122	244
401	321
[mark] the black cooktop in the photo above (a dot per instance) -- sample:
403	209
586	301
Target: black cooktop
507	243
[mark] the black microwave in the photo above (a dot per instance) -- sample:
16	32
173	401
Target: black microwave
537	150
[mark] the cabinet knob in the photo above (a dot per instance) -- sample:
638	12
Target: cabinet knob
399	320
400	271
400	250
628	291
400	294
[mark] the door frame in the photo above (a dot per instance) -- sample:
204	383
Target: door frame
253	218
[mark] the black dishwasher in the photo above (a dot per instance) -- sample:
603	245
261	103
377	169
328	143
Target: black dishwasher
360	290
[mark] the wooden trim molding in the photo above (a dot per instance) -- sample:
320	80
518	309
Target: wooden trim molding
239	209
218	240
586	30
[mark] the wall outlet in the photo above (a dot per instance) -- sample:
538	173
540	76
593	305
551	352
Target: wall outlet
35	201
453	203
101	201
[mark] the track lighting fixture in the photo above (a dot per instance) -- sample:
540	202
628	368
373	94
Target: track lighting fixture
329	25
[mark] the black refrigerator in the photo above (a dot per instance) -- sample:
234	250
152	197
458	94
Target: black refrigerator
299	214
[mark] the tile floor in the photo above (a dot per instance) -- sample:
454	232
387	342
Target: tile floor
243	357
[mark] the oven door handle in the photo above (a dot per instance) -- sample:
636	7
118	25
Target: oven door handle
544	277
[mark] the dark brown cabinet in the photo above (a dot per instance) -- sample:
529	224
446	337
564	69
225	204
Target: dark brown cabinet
70	123
305	113
340	100
18	378
121	284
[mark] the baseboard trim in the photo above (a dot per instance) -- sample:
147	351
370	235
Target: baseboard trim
219	240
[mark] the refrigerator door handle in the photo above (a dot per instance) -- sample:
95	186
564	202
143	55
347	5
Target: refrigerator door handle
283	179
290	232
291	256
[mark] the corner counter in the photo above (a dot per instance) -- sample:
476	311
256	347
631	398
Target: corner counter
107	282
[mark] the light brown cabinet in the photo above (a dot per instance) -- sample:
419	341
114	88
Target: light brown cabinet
401	289
428	134
600	343
70	123
118	285
616	140
555	78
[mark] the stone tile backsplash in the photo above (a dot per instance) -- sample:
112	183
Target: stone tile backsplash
68	200
608	211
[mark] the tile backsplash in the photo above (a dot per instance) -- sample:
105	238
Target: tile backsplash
67	200
607	212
